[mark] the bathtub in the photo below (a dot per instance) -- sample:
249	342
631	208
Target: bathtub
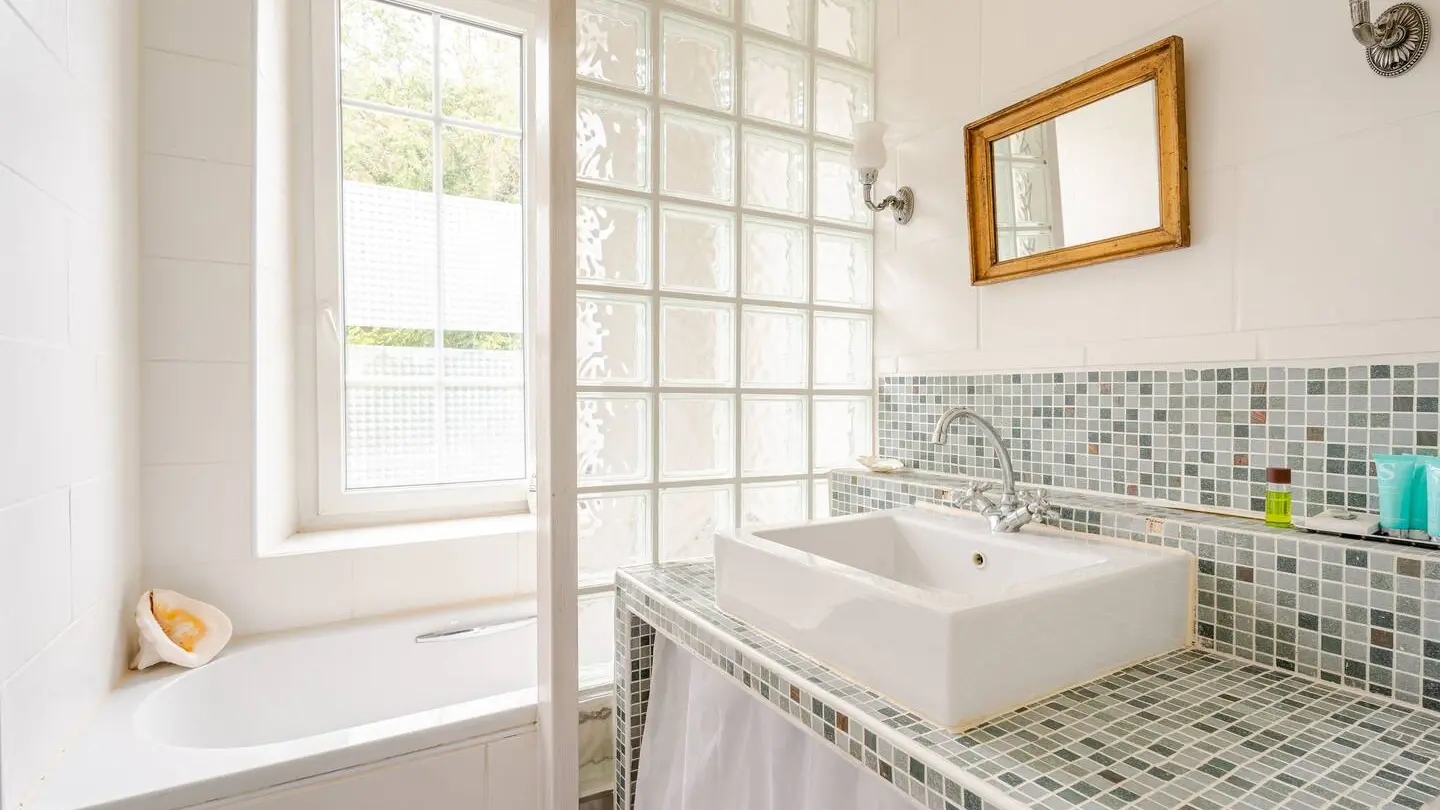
290	707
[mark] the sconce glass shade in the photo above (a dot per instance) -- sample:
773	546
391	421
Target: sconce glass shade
869	149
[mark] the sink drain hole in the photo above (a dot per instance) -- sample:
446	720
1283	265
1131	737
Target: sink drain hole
978	559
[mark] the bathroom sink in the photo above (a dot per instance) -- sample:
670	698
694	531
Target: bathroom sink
928	608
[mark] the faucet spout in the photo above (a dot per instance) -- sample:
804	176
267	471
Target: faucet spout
1009	498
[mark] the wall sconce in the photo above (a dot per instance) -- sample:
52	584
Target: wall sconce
1396	41
868	158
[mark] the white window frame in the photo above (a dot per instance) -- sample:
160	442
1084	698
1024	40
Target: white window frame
325	503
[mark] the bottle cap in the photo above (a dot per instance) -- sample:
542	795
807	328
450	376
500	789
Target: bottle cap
1278	475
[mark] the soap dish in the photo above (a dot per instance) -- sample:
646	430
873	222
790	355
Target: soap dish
881	465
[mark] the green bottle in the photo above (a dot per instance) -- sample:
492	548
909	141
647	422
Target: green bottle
1277	497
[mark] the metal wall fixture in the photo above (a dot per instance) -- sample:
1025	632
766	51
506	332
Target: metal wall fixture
868	158
1396	41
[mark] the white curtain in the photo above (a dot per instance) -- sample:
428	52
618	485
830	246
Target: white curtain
710	745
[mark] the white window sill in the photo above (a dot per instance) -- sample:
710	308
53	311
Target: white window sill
331	540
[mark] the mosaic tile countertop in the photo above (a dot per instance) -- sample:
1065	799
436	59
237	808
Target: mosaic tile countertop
1191	730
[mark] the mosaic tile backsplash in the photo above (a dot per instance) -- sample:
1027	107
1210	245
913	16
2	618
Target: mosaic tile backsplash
1200	436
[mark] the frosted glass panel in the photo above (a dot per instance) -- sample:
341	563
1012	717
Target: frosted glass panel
697	250
842	351
838	194
783	17
846	27
612	240
843	268
697	343
775	80
613	439
612	43
774	168
771	504
689	519
612	141
774	348
612	530
697	157
698	63
772	435
774	254
697	437
842	431
720	8
842	97
820	504
612	339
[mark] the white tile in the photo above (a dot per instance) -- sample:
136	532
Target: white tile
527	567
195	412
924	301
33	80
196	108
34	302
996	359
194	209
1326	238
408	577
212	29
935	39
265	595
36	419
1351	340
195	311
47	18
103	293
34	577
1231	347
196	513
933	164
104	543
513	773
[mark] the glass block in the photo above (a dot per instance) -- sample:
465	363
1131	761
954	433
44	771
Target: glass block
1030	196
772	435
842	431
844	268
612	339
612	530
612	240
697	343
773	348
597	639
387	55
847	28
689	519
774	503
697	63
774	172
783	17
612	141
719	8
697	250
839	197
480	74
612	439
842	97
612	43
820	502
697	157
697	437
842	351
774	259
775	82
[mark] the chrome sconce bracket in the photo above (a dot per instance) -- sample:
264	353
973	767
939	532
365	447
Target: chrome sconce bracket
901	204
1396	41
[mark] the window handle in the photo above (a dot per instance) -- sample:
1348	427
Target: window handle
334	324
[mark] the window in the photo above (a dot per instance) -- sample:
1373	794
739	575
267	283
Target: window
421	258
724	269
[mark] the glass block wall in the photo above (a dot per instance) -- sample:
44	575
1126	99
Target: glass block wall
725	279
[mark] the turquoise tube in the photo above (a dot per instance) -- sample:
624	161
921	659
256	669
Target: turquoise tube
1396	474
1432	479
1419	500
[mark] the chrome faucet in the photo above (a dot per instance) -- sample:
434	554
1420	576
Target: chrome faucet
1014	509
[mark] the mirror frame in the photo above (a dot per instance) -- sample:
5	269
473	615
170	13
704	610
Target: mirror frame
1164	63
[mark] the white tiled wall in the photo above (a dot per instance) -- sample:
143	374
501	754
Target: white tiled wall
69	551
218	377
1315	189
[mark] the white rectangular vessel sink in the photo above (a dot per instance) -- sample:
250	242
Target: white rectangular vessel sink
928	608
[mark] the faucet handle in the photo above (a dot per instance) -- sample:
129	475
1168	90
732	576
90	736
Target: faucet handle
1037	503
972	496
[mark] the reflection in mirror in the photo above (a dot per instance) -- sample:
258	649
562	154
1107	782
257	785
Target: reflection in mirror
1088	175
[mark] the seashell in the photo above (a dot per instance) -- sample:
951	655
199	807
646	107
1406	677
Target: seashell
881	465
175	628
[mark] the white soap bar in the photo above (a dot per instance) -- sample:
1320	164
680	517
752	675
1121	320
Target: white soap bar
1339	521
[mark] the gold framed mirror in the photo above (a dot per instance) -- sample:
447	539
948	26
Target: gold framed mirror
1090	171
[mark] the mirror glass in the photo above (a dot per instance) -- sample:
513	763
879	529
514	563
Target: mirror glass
1086	176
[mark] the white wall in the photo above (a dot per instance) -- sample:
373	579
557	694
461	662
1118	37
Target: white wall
218	376
69	553
1315	189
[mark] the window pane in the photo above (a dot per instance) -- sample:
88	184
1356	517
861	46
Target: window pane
612	141
774	83
775	259
390	434
774	168
480	74
689	519
697	343
774	348
613	241
484	419
382	149
597	639
769	504
612	339
613	439
773	435
386	54
697	250
783	17
847	27
612	530
612	43
697	437
842	431
842	97
820	505
697	63
843	268
842	351
481	165
697	157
